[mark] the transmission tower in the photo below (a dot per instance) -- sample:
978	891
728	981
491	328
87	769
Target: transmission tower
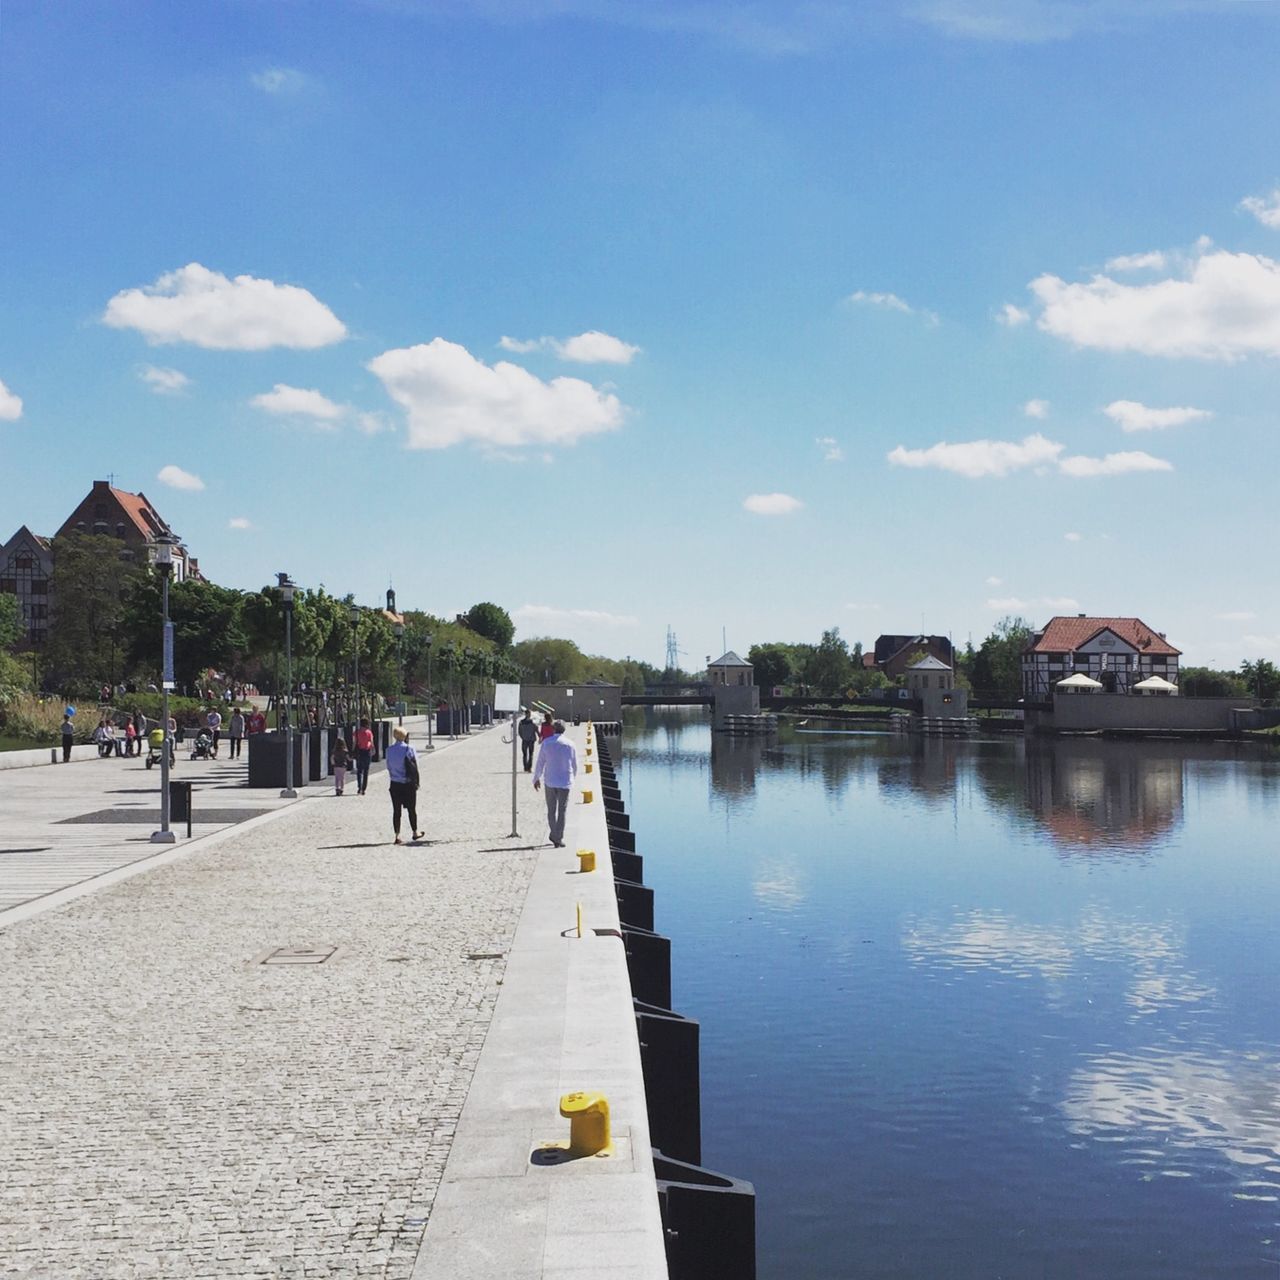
673	650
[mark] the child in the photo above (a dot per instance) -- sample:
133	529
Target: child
340	761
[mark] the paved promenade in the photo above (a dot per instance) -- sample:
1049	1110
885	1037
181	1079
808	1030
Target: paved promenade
171	1106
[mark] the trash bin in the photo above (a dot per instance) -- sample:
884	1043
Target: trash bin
179	801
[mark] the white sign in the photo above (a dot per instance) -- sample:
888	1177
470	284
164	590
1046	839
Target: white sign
506	697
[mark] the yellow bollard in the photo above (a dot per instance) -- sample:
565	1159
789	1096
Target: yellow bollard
588	766
587	797
586	859
588	1116
588	751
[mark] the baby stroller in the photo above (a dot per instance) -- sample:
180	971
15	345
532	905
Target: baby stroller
155	745
202	747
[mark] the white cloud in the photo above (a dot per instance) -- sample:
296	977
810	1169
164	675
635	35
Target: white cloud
1133	416
10	405
1114	464
1011	317
542	615
239	522
1153	261
450	397
176	478
862	608
1225	307
164	382
1073	537
278	80
995	582
978	458
592	347
1036	409
1237	615
1061	604
286	401
196	305
891	302
1007	604
1261	642
772	504
831	450
372	424
1265	208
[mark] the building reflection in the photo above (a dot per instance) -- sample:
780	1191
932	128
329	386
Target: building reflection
1090	795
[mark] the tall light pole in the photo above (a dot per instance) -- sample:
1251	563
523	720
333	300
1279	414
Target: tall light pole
164	564
398	628
354	614
287	588
431	693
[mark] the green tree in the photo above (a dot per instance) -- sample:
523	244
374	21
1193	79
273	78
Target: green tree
1204	682
491	621
208	627
830	668
772	663
11	625
1261	678
91	581
997	665
547	660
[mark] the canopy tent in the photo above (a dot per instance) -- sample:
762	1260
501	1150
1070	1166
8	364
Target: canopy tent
1156	684
1079	683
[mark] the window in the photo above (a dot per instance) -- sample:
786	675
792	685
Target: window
24	562
39	586
9	586
38	611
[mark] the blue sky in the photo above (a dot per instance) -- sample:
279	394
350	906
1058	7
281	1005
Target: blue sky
762	317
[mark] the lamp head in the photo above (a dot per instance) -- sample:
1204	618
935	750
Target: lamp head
287	588
353	612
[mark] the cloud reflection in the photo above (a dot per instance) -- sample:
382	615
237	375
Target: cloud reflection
1182	1100
1000	943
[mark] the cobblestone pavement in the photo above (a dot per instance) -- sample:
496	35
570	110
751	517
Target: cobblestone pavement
172	1107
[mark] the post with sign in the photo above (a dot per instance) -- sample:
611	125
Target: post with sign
506	697
164	565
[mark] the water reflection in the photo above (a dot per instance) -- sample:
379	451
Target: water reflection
1174	1102
1064	954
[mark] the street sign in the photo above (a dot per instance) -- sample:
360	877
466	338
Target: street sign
167	677
506	697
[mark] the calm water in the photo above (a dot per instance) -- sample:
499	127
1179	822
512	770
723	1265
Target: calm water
977	1009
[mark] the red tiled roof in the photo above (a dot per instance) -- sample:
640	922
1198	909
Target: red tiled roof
1064	635
141	512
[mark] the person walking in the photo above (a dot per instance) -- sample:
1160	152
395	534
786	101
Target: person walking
528	739
235	732
130	736
68	737
339	762
402	770
364	754
558	764
546	728
213	722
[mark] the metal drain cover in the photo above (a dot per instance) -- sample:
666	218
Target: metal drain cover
298	955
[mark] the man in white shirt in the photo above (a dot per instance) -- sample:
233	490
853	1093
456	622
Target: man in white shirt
558	764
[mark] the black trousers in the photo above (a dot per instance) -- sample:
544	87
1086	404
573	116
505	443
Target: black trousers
235	746
66	747
404	795
362	769
526	751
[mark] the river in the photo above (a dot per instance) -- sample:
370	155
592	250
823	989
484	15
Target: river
977	1009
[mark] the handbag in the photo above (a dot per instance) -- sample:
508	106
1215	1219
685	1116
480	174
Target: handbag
411	775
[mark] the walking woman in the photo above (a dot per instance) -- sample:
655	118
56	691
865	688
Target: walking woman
402	769
364	754
339	762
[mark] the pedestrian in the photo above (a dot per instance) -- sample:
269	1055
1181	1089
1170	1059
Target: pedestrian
340	762
213	722
402	770
139	728
364	754
546	728
235	732
103	736
130	737
558	764
68	737
171	725
528	732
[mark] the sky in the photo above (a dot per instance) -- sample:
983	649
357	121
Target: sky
749	320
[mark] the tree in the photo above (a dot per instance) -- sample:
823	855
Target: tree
491	621
997	665
547	660
91	581
772	663
1204	682
1262	678
11	625
830	669
208	627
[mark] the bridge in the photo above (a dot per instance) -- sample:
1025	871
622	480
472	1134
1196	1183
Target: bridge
686	696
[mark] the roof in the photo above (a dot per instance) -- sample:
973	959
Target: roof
1064	635
1079	681
929	663
1156	682
139	509
730	659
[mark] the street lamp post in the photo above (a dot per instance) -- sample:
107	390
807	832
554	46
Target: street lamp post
354	614
398	628
287	588
431	693
164	563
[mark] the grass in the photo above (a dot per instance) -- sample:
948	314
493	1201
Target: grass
25	744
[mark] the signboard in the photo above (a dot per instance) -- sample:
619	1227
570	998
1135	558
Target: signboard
506	697
167	677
